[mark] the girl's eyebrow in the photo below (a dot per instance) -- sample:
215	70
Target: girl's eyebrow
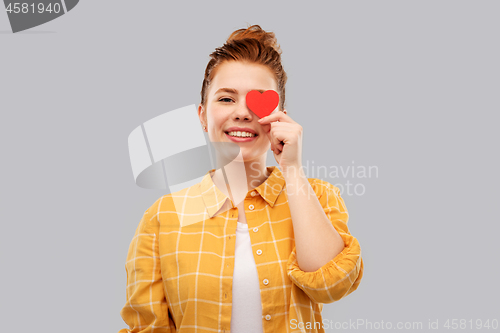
234	91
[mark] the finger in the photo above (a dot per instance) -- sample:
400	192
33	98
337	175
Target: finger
270	140
267	130
276	138
276	116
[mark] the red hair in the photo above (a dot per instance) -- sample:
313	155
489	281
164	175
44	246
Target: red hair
252	45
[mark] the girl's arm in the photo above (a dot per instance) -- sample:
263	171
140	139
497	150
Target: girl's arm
146	309
326	261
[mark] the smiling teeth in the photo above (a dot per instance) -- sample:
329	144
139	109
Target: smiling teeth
241	134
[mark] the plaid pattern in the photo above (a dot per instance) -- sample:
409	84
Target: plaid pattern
180	264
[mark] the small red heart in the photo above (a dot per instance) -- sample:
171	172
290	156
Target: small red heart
262	104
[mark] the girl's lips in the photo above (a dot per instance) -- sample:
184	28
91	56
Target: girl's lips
236	139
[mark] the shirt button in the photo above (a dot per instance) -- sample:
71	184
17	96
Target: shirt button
251	207
255	229
268	317
253	194
265	281
259	252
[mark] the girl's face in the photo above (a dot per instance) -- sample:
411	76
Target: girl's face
227	111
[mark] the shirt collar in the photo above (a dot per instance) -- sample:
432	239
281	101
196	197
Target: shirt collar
214	199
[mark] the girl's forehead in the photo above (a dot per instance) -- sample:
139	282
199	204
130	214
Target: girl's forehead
242	73
241	85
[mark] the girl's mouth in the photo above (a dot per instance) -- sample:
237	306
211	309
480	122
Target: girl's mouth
240	139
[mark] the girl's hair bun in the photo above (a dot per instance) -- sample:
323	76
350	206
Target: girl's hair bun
268	39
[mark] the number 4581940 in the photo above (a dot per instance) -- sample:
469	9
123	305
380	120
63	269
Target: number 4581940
31	8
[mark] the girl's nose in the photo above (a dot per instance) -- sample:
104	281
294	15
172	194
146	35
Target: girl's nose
243	112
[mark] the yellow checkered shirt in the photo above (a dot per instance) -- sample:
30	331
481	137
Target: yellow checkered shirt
180	261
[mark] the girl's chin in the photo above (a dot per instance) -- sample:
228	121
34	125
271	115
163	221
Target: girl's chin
251	155
247	155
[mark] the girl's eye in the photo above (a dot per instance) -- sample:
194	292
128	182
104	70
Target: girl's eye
225	99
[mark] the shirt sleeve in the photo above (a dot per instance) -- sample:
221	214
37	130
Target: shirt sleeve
146	309
341	275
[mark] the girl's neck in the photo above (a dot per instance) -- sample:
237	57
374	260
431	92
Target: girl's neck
236	179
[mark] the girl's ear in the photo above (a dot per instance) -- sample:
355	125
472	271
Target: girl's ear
201	113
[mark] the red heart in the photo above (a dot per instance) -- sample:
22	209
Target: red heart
262	104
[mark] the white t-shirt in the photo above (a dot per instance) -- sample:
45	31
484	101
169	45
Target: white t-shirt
246	313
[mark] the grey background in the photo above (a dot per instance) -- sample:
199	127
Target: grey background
408	86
